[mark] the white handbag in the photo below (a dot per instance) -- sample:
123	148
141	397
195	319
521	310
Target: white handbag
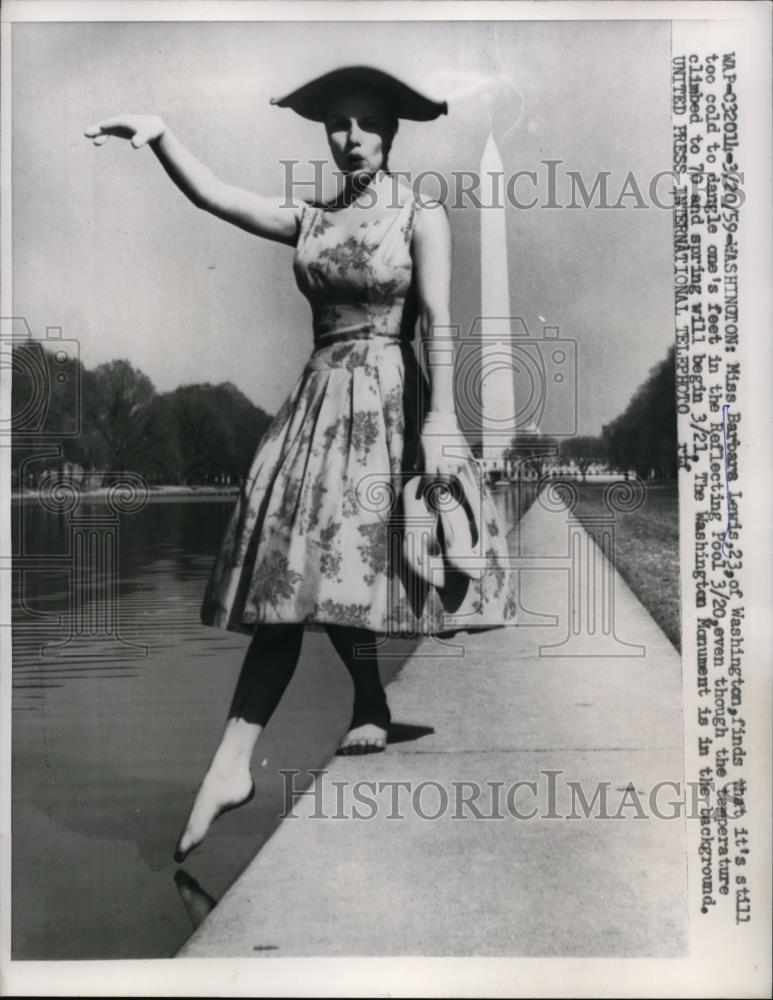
441	529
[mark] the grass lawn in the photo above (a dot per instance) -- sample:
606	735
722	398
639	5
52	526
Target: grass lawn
646	549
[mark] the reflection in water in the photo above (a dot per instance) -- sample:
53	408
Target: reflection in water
109	748
198	903
163	552
102	764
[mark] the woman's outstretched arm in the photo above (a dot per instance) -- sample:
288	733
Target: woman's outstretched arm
273	218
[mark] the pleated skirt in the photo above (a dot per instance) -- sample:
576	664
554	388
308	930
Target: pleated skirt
315	536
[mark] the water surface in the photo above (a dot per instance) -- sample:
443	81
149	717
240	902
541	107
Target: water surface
111	736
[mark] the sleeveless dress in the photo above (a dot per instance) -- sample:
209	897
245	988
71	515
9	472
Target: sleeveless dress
315	534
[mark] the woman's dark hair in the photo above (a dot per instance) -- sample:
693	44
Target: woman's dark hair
394	123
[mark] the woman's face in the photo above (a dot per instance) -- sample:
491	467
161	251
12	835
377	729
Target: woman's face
359	130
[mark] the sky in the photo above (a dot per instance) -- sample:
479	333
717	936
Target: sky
105	246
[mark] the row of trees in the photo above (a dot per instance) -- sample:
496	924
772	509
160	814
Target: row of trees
642	439
644	436
111	418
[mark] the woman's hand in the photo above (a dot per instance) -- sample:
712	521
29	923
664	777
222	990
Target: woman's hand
139	128
443	445
274	218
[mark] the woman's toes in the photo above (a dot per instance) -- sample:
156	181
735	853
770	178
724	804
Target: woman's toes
184	846
360	746
216	796
367	738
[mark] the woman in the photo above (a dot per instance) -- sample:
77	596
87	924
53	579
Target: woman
315	538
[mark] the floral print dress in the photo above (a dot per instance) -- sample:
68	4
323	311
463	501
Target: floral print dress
316	533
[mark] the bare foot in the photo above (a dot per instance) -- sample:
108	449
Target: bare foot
219	792
368	738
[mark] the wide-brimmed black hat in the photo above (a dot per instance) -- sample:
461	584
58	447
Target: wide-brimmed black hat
312	98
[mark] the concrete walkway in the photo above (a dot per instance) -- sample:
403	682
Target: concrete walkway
507	710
